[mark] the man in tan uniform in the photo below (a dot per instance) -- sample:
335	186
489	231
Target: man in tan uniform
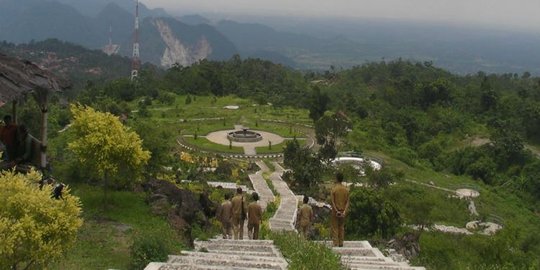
305	218
239	211
340	205
224	215
254	217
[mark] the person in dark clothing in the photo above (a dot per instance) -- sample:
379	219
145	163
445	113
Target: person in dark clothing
27	151
254	217
8	136
57	191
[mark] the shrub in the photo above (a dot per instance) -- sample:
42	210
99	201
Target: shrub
35	229
303	254
146	249
370	214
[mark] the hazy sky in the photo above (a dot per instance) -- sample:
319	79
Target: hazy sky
511	13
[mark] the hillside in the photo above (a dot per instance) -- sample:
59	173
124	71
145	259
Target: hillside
166	41
71	61
32	20
427	126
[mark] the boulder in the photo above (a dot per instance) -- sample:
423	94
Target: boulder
183	208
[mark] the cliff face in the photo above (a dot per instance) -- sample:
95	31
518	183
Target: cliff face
180	52
167	41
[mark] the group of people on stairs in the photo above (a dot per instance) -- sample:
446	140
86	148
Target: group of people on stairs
233	213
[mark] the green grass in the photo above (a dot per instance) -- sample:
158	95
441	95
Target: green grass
446	210
204	144
185	115
304	254
447	251
277	148
106	236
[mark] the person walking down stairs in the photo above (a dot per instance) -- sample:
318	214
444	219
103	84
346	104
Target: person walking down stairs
239	211
254	217
224	215
305	218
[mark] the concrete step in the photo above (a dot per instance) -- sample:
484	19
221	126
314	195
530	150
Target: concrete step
243	252
274	223
236	242
359	252
384	267
166	266
280	219
367	260
355	263
227	262
215	247
228	256
348	244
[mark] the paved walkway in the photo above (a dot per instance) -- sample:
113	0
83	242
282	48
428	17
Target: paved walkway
260	186
285	215
220	137
263	254
225	254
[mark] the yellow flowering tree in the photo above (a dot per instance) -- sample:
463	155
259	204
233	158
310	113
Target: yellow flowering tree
35	229
108	149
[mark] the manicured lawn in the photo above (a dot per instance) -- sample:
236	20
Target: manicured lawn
203	143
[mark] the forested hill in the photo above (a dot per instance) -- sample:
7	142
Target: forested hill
71	61
479	125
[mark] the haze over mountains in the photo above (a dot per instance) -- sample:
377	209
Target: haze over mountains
300	43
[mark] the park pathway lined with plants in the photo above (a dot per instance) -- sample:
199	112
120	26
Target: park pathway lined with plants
231	254
260	186
354	254
263	254
285	215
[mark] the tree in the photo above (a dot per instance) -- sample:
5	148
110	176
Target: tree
35	229
489	98
157	138
508	146
105	147
370	214
306	167
382	178
328	129
318	104
290	152
531	172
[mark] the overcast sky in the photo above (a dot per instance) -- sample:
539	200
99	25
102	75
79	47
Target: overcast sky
510	13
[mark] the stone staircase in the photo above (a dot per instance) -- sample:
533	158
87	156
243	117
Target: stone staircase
225	254
219	254
361	255
260	186
285	215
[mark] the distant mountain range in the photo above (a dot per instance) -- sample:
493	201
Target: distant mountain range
304	44
164	40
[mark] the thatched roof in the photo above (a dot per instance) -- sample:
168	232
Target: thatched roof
21	77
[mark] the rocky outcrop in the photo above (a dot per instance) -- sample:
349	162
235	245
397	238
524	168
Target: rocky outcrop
179	52
182	208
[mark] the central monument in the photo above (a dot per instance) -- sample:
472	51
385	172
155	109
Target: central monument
244	135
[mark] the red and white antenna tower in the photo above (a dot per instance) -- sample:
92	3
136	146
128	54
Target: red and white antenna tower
136	61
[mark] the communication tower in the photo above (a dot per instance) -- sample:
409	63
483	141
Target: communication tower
136	61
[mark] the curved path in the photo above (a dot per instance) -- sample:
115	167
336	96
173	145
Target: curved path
489	228
285	215
220	137
263	254
260	186
354	254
